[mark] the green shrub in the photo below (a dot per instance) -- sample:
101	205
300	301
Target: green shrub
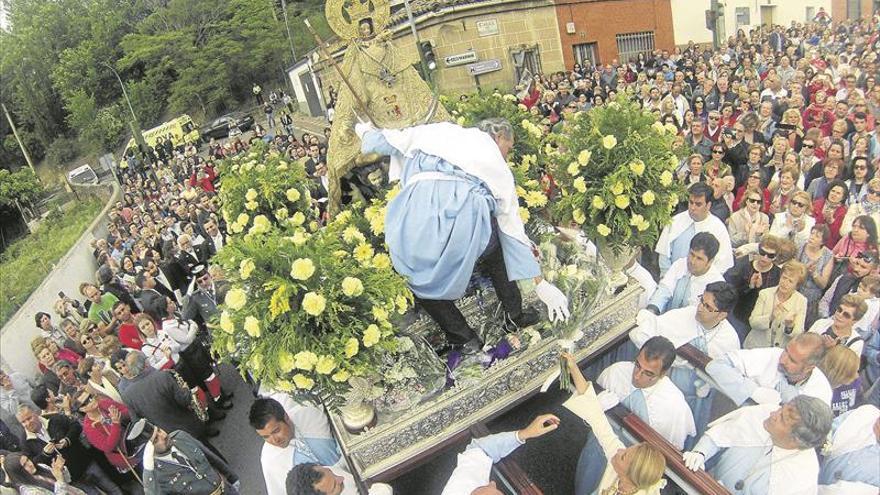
62	151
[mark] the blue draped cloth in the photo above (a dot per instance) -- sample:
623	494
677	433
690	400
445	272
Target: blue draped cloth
436	229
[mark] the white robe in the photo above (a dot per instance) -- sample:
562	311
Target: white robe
668	412
762	367
793	472
680	326
698	284
712	224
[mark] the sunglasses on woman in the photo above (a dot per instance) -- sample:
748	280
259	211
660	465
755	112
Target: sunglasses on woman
765	253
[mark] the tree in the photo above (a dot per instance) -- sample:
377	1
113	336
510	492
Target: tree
19	188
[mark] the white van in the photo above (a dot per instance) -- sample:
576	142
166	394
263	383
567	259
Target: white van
82	175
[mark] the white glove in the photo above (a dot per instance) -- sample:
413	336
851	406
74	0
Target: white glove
557	303
149	459
764	395
237	486
362	128
694	460
608	399
702	388
644	316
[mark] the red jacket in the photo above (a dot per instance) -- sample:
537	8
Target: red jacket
834	226
107	437
129	336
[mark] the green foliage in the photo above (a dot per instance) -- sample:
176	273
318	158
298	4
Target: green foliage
100	129
21	185
616	175
26	262
63	150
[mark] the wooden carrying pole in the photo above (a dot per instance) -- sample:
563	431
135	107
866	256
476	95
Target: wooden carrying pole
329	57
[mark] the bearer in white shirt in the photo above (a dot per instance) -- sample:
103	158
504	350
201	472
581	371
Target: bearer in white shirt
684	282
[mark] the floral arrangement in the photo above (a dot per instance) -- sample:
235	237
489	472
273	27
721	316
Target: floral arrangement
615	174
308	307
265	187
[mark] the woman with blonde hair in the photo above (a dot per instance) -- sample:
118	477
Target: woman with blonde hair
841	366
748	224
779	313
634	470
784	185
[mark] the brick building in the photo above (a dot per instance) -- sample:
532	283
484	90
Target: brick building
600	31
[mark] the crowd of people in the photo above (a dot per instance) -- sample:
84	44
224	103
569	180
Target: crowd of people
770	269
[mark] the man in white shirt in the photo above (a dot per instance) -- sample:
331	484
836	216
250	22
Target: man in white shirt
675	239
314	479
686	278
294	433
705	327
766	448
644	388
772	375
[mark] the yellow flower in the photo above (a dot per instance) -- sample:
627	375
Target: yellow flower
243	219
252	326
236	228
299	238
284	386
598	203
609	142
345	216
461	121
377	224
535	199
235	299
293	194
352	287
382	261
671	129
658	126
281	213
648	197
251	194
524	214
673	199
351	347
297	219
401	303
573	168
673	162
617	188
325	365
580	185
305	360
286	361
279	303
302	268
303	382
638	167
522	107
245	268
313	303
666	178
603	230
638	222
226	323
251	205
230	346
363	253
352	234
341	376
579	217
256	362
392	193
584	157
380	313
282	165
371	336
621	201
261	225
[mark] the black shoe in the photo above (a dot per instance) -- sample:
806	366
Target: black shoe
526	318
215	414
226	396
220	404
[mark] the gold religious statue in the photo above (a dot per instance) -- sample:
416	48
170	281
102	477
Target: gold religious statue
388	89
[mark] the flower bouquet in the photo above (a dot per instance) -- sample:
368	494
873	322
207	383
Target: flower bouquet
616	179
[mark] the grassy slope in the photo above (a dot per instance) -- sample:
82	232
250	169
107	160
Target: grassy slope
26	262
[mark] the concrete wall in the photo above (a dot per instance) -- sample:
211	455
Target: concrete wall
689	21
838	9
453	31
77	266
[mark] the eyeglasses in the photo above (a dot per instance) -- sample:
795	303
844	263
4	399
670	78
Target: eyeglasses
845	314
717	152
860	167
798	204
810	146
873	191
765	253
753	200
714	118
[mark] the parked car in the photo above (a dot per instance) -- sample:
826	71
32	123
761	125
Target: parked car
221	126
82	175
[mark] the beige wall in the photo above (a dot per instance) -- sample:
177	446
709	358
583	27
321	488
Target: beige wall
454	32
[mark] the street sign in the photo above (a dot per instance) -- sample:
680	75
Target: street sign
461	58
488	27
484	67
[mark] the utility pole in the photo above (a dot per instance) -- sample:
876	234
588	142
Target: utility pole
418	44
134	124
24	151
289	37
